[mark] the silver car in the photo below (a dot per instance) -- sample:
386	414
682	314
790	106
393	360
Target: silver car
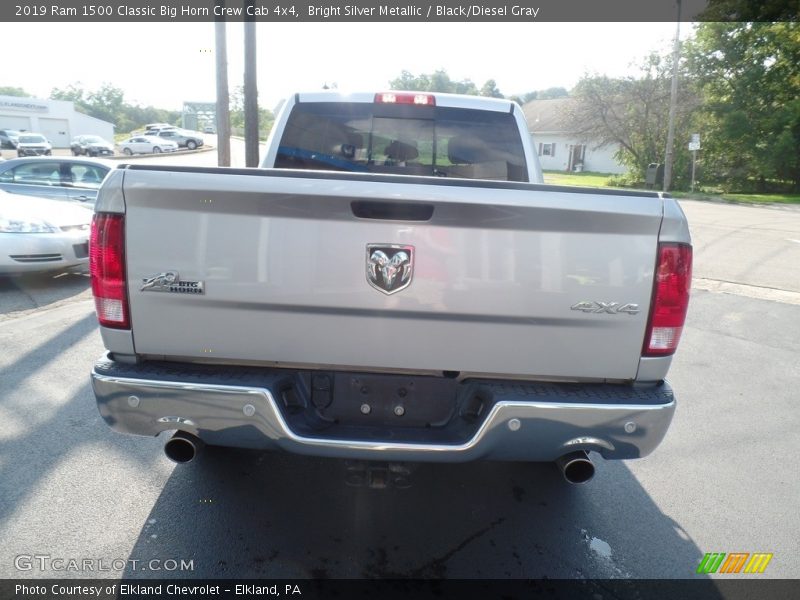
60	178
184	139
141	144
39	234
9	138
33	144
91	145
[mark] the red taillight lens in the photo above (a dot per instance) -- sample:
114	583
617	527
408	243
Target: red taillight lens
670	299
405	98
107	266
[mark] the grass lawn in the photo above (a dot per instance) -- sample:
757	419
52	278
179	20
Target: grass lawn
742	198
590	179
587	179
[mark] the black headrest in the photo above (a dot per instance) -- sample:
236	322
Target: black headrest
467	149
402	151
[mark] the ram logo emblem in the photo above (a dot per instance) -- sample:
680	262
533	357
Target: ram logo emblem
389	267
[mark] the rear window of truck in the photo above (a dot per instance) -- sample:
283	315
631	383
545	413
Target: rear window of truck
403	140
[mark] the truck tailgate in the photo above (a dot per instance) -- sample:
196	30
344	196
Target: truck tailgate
500	272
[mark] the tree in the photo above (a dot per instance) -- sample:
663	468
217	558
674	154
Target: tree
410	82
522	99
265	117
632	112
7	90
72	93
490	90
747	10
108	103
749	74
552	92
438	81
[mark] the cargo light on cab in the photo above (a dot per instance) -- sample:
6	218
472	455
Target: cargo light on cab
405	98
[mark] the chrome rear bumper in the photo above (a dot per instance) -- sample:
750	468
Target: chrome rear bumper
241	407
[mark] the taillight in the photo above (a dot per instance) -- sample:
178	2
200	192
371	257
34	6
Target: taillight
670	299
405	98
107	266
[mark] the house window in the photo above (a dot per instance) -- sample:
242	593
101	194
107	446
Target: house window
547	149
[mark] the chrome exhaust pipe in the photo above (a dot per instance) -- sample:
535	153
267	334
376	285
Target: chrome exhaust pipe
183	447
576	467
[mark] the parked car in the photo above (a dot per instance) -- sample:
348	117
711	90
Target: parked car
9	138
40	234
60	178
208	129
147	144
157	130
33	144
184	139
91	145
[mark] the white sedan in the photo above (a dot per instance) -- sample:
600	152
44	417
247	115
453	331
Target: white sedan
40	234
147	144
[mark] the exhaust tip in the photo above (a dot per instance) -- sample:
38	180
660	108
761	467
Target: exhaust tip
576	467
182	447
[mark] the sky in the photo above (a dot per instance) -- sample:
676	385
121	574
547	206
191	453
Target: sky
165	64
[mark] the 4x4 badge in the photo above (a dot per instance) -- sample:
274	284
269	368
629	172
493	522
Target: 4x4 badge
389	267
611	308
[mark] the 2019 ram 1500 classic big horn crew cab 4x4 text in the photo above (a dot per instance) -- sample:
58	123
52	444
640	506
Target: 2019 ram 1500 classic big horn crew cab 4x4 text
395	284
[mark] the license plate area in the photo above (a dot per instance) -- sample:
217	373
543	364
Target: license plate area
383	400
81	250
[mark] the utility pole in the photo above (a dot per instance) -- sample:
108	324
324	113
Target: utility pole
223	100
250	92
673	100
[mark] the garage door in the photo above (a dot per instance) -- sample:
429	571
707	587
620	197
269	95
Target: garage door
55	130
18	123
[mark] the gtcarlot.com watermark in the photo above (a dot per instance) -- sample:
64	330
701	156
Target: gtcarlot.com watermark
47	562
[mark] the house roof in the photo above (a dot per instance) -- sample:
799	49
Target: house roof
548	116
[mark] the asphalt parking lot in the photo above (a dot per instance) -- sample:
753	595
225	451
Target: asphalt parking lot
724	479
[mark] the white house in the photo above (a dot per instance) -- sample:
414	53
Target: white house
561	150
57	120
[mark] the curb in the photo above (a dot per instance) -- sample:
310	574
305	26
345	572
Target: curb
121	156
791	206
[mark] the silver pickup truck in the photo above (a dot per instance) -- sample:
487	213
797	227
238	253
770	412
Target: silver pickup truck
394	284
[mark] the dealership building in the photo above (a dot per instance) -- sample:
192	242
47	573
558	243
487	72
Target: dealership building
57	120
